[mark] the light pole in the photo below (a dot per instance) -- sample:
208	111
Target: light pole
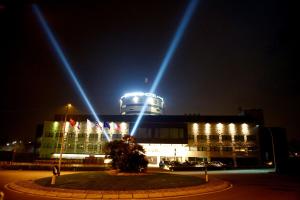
273	149
63	136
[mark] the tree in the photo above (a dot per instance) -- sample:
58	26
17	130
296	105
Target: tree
126	155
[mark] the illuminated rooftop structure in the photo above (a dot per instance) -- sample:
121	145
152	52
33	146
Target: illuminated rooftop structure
132	103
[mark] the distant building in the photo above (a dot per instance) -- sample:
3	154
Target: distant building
132	104
231	139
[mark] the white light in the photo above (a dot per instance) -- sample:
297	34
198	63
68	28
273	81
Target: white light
207	129
150	100
123	127
220	128
232	129
139	94
67	127
88	126
245	129
135	99
75	156
195	128
7	144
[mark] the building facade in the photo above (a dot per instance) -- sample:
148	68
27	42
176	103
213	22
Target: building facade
230	139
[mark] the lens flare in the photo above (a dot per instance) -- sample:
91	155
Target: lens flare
54	43
170	52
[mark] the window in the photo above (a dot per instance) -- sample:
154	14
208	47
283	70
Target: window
116	136
214	148
143	133
202	148
93	137
226	138
239	138
81	135
80	146
201	138
214	137
251	138
103	137
71	135
49	134
227	148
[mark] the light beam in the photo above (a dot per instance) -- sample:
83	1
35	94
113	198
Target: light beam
58	50
170	52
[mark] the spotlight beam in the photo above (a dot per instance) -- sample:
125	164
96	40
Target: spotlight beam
170	52
58	50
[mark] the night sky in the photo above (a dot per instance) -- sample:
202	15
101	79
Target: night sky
233	54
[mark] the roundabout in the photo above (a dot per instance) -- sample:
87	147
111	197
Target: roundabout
102	185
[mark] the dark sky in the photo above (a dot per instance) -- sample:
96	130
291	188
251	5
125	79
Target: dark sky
233	54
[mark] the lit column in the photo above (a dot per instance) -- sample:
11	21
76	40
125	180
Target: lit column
63	136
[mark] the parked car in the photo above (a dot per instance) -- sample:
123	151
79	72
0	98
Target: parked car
216	164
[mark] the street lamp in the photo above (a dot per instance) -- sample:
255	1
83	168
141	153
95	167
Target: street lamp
273	149
63	136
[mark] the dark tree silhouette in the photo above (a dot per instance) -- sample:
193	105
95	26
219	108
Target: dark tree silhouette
126	155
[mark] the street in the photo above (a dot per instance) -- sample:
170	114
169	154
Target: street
245	186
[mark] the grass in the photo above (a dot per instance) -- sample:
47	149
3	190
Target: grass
103	181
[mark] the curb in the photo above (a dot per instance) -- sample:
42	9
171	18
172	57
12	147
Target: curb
29	187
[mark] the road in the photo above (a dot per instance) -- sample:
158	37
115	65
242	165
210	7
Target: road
246	186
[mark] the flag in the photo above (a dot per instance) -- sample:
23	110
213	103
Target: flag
72	122
117	127
106	125
98	125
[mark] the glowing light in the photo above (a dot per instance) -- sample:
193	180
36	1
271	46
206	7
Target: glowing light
75	156
88	126
123	127
207	129
245	129
67	127
195	129
170	52
220	128
55	126
135	99
150	100
64	60
232	129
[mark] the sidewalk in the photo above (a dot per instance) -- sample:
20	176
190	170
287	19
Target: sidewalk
29	187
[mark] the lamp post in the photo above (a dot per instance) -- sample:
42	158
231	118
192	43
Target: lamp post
63	136
273	149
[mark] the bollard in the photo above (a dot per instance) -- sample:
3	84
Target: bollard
1	195
53	179
206	175
56	172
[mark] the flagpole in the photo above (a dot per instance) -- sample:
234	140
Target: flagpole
63	136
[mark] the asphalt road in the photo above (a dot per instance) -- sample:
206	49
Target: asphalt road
254	186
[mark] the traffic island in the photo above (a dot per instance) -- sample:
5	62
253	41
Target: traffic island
100	185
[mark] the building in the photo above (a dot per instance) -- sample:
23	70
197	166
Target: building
231	139
132	104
